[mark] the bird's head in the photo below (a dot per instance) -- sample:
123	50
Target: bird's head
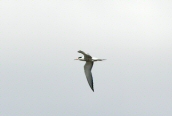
80	58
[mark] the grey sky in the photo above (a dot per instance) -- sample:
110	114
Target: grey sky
39	42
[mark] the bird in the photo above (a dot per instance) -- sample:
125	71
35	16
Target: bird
88	66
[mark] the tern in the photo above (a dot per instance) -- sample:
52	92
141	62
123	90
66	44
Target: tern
88	66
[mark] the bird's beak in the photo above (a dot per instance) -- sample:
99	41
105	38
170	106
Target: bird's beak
76	59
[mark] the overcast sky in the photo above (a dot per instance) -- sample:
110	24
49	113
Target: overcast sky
39	40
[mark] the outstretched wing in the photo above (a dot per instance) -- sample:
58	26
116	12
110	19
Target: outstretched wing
87	67
86	56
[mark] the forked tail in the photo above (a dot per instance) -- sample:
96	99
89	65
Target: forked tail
100	59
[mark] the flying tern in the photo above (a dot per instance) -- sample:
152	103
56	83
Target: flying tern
88	66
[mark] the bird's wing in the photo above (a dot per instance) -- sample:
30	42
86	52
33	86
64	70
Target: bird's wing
87	56
87	67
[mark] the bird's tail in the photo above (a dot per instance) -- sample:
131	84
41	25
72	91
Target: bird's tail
100	59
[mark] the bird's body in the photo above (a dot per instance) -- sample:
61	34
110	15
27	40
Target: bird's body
88	66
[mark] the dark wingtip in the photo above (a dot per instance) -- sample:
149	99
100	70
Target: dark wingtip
92	89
